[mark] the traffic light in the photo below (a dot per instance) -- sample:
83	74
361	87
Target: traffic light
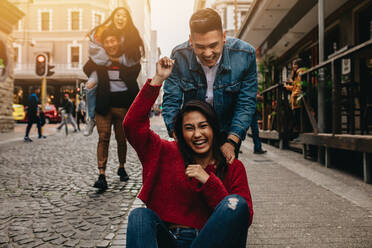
50	72
41	65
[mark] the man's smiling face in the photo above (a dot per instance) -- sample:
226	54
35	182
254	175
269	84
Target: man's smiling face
208	46
111	45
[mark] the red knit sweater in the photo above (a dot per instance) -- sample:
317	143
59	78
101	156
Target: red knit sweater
166	189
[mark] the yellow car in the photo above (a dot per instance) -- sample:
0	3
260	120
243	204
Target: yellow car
18	112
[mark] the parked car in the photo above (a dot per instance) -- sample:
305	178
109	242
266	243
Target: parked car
18	112
51	114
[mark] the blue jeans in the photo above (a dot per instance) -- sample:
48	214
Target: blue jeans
226	227
255	133
91	101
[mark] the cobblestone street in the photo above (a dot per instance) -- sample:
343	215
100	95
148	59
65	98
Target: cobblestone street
47	198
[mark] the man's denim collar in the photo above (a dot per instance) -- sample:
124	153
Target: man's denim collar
224	63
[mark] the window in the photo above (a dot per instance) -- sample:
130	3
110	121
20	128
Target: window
16	51
75	20
75	56
97	19
45	21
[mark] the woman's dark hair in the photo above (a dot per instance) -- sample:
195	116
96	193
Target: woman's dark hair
133	44
187	153
205	20
300	63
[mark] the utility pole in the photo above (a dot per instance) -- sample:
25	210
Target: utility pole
321	79
321	82
235	17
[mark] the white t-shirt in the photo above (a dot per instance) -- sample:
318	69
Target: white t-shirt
210	75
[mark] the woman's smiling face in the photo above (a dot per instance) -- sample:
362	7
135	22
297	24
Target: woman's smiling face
197	132
120	19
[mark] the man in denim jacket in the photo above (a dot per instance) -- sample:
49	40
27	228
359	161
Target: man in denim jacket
219	70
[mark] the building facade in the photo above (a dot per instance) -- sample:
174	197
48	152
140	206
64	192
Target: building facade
334	40
232	12
60	30
9	15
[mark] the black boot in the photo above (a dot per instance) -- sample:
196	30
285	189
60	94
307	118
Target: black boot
101	183
123	174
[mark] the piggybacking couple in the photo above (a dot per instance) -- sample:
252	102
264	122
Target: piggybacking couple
193	187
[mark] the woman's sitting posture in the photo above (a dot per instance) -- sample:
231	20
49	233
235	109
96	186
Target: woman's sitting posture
193	197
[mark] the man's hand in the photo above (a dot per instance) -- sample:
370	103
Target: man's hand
228	151
197	172
163	69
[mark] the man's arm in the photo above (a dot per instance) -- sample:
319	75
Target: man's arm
172	98
246	103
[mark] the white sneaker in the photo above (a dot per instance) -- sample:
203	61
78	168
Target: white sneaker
89	127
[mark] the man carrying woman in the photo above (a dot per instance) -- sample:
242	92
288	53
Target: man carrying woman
130	51
112	86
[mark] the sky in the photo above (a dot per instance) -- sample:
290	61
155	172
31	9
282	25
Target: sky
170	18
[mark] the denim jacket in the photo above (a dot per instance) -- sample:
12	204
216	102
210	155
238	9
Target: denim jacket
234	89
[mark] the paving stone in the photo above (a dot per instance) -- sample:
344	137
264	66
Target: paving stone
68	234
40	230
25	241
110	236
20	237
71	243
103	244
50	238
37	243
58	241
4	239
86	244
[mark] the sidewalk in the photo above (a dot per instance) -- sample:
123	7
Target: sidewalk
299	203
19	132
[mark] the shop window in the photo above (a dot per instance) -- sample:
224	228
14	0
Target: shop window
332	41
364	25
18	95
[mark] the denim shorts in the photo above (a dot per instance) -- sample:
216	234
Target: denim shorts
184	236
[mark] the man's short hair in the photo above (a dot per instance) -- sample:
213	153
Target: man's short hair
110	32
205	20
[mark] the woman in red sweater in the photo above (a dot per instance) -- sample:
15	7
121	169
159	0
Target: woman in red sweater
193	197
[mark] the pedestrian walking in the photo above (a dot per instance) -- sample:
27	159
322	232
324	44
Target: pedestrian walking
218	69
80	113
33	115
68	108
257	149
116	87
193	197
130	52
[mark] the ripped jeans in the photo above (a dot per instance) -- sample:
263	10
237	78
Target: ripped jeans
226	227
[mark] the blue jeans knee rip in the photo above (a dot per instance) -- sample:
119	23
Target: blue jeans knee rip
233	202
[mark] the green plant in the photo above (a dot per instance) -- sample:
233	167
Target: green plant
265	70
2	63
